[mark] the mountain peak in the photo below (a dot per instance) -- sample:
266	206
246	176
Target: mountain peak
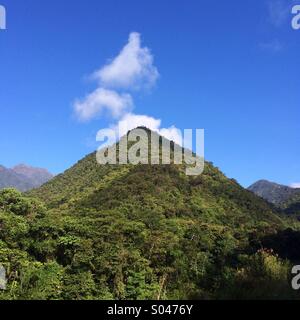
273	192
267	182
21	165
28	167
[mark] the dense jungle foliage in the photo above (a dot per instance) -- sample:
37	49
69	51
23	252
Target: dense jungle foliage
144	232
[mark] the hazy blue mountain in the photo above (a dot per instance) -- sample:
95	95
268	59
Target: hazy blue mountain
10	179
23	177
37	176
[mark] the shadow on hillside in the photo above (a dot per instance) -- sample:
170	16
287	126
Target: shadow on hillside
285	243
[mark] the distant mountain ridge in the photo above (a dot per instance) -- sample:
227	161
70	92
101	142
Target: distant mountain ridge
23	177
282	196
273	192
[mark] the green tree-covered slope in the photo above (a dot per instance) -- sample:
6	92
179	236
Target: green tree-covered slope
292	205
142	232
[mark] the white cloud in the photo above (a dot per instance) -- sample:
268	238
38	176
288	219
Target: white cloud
172	133
99	100
295	185
132	69
131	121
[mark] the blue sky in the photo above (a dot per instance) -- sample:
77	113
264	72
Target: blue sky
230	67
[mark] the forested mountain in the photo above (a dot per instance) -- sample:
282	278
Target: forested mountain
292	205
23	177
143	232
